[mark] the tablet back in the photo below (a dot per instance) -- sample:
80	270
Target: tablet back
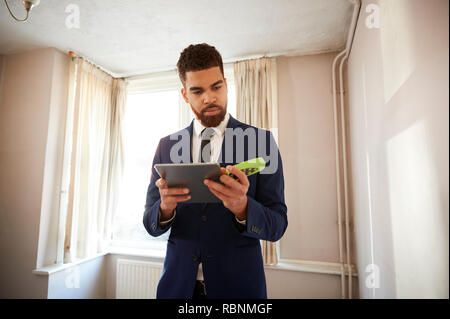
191	175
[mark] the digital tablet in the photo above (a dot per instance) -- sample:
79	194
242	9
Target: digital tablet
191	175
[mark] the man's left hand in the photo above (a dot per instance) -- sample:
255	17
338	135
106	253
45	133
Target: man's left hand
233	193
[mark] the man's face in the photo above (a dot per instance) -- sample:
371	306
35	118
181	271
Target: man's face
206	92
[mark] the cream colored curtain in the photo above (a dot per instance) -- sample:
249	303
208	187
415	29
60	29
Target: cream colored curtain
96	162
257	105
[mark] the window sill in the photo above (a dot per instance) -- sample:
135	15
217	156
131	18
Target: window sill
137	252
48	270
318	267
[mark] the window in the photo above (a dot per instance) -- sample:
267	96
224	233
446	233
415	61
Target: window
148	117
154	109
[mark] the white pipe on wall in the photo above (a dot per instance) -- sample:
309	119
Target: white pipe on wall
345	52
356	8
338	175
344	166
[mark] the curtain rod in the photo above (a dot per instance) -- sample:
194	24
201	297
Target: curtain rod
237	59
226	61
77	56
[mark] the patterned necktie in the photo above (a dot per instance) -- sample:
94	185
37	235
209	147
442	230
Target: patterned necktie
205	147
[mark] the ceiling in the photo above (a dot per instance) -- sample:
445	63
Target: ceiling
139	36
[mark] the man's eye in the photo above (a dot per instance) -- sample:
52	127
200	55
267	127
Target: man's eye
217	87
196	92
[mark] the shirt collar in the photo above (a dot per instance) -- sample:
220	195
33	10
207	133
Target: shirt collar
219	130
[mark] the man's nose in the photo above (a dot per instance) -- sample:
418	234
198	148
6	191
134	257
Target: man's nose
209	98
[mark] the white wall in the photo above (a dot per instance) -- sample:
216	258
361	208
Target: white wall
83	281
51	184
398	123
32	97
290	284
308	151
306	141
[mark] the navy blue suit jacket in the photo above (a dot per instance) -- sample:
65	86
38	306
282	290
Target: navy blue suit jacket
209	233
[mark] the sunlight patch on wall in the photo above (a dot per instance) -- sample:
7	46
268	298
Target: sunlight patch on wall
418	235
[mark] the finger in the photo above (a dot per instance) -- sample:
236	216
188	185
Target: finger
170	200
161	183
181	198
229	173
174	191
228	191
223	171
239	174
224	198
232	183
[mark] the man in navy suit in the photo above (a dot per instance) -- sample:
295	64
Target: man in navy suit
213	250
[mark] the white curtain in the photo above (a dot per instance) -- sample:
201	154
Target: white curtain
96	163
257	105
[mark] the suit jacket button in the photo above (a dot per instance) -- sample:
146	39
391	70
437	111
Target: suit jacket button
195	258
153	226
204	218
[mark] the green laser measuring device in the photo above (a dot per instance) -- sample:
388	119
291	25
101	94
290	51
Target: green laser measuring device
250	167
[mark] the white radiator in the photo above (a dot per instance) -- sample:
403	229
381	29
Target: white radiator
137	279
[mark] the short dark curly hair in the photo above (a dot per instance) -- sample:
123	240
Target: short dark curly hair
198	57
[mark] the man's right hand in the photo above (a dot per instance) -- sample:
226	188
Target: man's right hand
170	197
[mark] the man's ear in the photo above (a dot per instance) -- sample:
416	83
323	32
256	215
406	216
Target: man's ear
183	93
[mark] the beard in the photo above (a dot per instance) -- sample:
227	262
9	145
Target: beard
211	120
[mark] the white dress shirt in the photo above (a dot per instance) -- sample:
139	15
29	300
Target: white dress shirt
216	139
216	147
